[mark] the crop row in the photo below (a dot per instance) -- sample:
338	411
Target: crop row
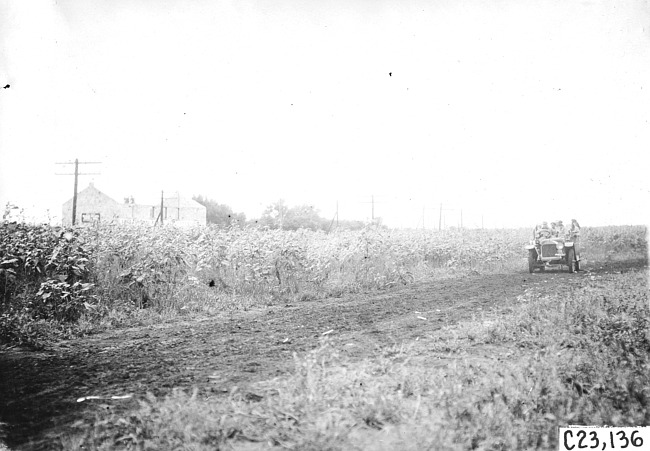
54	273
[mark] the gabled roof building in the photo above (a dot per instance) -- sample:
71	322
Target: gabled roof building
95	206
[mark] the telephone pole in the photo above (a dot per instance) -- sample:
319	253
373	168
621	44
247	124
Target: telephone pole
334	218
372	207
160	215
440	218
76	174
337	214
372	202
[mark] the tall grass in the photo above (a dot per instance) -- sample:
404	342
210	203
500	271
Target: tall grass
143	274
267	265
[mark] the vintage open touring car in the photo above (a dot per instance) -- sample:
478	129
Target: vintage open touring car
552	246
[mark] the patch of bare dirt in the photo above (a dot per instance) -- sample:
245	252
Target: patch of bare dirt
39	390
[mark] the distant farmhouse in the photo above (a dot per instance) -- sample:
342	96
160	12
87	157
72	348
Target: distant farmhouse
95	206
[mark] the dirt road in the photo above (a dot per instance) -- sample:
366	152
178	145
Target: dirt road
39	390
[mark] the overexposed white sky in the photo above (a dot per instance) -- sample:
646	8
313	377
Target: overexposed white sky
512	111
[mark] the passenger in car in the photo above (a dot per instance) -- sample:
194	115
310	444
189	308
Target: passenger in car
544	231
574	231
575	226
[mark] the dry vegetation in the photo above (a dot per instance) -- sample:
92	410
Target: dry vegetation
57	281
570	353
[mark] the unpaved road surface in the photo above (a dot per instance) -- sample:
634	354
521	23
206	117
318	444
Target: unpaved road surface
39	390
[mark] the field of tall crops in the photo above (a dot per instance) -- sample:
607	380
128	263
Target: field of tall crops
400	339
64	275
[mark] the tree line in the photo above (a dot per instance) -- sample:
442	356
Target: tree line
278	215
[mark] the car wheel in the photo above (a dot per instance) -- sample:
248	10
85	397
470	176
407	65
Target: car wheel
532	258
571	260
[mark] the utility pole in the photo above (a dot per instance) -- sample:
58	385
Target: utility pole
440	218
372	202
335	218
481	222
337	214
76	174
160	215
461	218
424	209
74	197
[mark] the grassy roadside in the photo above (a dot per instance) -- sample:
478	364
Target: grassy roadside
503	382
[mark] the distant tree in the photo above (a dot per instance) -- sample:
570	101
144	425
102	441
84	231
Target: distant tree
304	217
279	215
274	215
220	214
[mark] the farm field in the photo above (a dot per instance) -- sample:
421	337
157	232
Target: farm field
395	343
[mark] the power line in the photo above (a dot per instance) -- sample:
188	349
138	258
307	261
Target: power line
76	174
373	202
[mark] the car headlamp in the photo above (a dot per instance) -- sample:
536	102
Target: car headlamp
559	245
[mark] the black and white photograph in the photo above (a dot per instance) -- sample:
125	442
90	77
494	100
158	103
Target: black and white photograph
324	225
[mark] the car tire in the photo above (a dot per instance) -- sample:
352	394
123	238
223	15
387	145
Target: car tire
571	260
532	258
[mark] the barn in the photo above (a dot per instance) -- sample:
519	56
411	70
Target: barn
95	206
